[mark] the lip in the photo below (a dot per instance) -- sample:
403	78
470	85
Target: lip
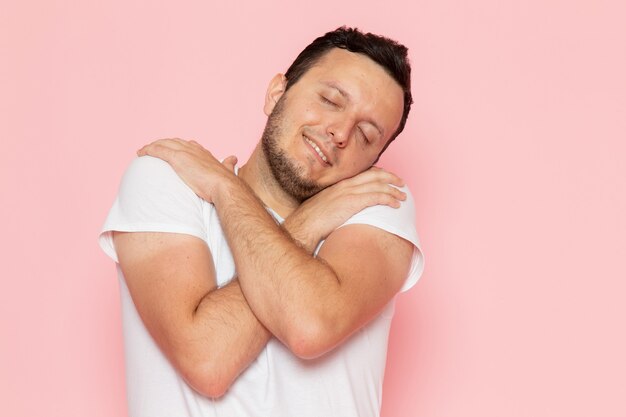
307	138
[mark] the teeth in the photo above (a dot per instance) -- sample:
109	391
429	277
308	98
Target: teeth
317	149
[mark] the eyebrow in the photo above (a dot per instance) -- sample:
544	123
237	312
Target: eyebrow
348	97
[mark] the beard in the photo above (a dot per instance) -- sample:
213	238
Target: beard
287	174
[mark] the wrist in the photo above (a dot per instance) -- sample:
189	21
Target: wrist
225	188
302	232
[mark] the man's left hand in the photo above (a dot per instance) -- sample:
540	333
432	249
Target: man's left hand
200	170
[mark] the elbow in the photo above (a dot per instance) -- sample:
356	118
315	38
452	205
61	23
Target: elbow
305	350
311	340
209	387
206	377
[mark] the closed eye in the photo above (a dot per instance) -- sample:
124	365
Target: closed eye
327	101
363	135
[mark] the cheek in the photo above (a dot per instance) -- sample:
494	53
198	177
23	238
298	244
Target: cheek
355	166
308	111
309	114
299	117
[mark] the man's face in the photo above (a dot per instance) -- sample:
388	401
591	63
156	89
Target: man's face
332	123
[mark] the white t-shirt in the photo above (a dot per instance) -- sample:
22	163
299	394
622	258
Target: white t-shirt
345	382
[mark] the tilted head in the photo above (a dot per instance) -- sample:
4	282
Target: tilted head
337	108
387	53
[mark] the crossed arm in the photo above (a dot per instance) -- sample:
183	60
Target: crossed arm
311	304
209	335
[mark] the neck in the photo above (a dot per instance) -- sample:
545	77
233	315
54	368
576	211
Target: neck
258	175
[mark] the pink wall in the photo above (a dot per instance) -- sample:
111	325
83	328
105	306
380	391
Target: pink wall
513	151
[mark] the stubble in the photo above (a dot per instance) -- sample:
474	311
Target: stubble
288	175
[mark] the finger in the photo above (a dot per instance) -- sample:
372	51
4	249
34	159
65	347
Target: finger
382	198
388	200
396	193
197	148
143	150
230	162
161	150
193	143
387	176
192	146
381	188
173	142
375	174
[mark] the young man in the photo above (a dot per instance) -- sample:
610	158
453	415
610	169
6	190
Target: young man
269	291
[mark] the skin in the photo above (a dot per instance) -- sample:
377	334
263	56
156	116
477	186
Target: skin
349	107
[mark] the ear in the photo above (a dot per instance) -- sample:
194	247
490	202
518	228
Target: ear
274	92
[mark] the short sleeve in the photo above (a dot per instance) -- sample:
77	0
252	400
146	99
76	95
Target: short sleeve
152	198
401	222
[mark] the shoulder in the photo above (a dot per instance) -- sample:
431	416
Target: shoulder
152	198
151	180
147	170
398	221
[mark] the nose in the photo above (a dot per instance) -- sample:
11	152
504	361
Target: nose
339	132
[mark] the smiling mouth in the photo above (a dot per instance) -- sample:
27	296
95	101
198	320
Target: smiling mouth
317	149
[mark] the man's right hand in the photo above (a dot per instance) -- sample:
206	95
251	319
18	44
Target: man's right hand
318	216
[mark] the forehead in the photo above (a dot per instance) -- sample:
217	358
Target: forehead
368	86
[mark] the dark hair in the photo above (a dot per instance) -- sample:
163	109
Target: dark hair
389	54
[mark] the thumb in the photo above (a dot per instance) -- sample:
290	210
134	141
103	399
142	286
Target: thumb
230	162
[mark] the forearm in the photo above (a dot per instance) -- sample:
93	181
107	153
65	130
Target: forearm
225	337
287	288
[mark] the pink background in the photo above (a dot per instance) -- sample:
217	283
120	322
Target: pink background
514	151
